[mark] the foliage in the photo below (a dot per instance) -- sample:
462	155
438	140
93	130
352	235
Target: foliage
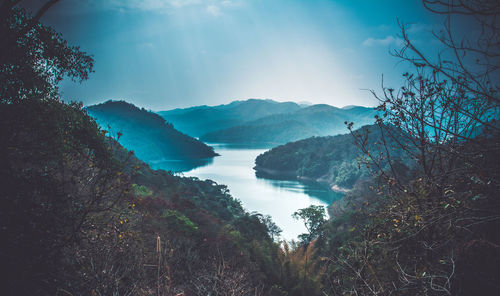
433	229
433	232
333	160
33	57
423	241
314	219
179	221
302	269
141	190
57	170
78	220
81	215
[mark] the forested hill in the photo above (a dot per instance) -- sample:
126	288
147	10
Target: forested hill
146	133
315	120
81	214
334	160
196	121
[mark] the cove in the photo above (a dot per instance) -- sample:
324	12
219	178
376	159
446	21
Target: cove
277	198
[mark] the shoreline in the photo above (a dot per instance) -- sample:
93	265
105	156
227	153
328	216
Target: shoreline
291	174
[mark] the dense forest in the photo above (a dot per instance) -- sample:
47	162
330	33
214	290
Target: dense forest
82	215
146	133
334	160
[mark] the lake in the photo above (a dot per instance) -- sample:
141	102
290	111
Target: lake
278	198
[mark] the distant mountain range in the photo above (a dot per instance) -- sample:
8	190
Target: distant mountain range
146	133
265	121
199	120
315	120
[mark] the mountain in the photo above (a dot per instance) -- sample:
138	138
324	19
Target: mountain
146	133
334	160
200	120
81	214
315	120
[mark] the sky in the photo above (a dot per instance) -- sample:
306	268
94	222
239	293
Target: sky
165	54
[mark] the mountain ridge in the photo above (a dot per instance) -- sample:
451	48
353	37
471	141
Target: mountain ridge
146	133
314	120
198	120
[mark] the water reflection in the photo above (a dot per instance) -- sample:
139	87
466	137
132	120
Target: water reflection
181	165
278	198
312	189
240	146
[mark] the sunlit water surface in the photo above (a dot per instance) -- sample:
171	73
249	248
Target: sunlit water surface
278	198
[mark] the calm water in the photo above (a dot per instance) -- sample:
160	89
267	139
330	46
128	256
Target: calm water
278	198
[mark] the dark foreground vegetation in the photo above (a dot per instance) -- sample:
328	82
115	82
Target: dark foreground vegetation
80	215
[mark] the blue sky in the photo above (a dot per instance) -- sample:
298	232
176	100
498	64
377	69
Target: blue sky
164	54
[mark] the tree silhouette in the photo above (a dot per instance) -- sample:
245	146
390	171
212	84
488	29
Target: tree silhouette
33	57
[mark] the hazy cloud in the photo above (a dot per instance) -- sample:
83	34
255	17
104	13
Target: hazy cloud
148	5
418	28
389	40
214	10
213	7
78	7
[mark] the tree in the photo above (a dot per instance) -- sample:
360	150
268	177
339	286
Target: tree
314	219
57	169
273	230
448	99
423	236
470	59
33	57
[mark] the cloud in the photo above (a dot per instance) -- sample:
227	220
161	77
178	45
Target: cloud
166	5
212	7
214	10
149	5
418	28
230	3
387	41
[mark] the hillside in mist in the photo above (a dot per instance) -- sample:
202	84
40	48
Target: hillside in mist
146	133
315	120
199	120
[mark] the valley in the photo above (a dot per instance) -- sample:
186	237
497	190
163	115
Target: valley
279	198
265	122
277	195
109	188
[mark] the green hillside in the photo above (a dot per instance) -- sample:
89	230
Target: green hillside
334	160
146	133
82	214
